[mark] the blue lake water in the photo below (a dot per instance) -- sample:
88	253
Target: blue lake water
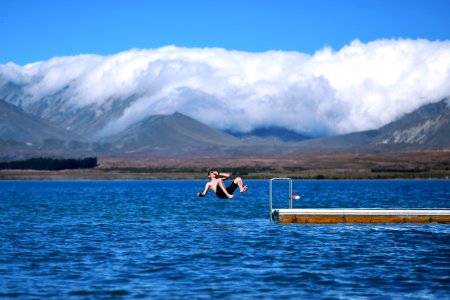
155	239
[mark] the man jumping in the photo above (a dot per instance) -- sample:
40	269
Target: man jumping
218	187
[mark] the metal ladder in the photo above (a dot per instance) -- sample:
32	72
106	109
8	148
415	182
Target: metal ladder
271	190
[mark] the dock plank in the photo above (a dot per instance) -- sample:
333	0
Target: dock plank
360	216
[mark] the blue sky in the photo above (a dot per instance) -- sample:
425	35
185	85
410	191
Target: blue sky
38	30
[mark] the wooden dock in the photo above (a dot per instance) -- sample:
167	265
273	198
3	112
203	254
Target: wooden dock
360	216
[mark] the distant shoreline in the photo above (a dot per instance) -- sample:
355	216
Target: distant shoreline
19	175
432	164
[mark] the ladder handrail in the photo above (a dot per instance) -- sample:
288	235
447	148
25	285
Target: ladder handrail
271	190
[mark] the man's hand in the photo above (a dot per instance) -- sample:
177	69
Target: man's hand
230	196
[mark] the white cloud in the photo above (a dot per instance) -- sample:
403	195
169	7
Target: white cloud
360	87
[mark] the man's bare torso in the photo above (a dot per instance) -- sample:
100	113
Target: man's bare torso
213	184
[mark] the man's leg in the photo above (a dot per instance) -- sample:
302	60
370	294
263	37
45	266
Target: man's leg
240	184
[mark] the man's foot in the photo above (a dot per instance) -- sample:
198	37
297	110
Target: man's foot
244	188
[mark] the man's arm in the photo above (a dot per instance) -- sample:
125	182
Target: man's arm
205	191
224	175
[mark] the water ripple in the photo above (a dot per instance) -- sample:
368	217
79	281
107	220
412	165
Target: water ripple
133	239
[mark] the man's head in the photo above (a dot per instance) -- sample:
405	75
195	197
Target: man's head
213	173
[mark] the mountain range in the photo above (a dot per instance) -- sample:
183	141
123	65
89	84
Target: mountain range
19	126
47	127
428	127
